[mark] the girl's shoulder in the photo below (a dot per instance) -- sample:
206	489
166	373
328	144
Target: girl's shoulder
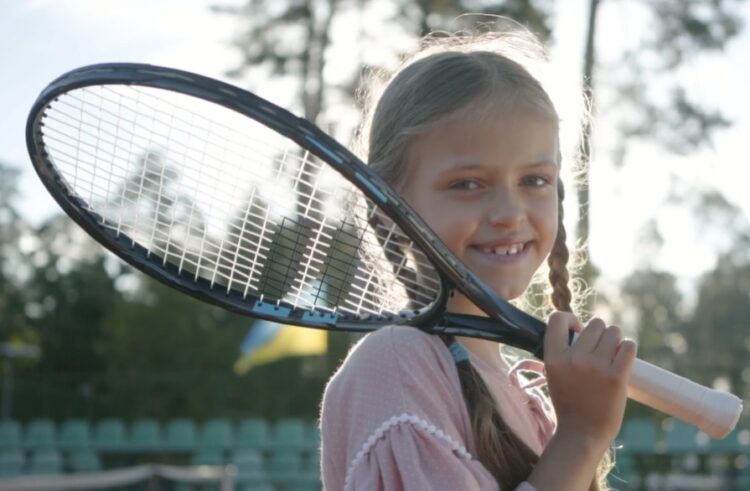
397	389
398	348
393	370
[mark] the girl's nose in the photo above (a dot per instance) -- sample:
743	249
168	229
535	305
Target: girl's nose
505	210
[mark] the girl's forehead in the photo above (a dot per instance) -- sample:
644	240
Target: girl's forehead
506	108
504	125
504	141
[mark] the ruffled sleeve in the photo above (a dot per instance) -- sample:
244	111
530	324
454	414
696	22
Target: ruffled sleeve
409	453
394	419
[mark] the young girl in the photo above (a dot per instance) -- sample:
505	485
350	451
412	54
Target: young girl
470	139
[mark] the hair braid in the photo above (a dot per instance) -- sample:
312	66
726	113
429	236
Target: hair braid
559	277
501	452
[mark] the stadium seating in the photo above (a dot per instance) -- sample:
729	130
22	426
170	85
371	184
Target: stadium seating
289	434
40	434
285	467
638	436
84	460
217	434
253	433
46	462
10	434
251	471
682	438
12	462
283	455
109	435
145	436
179	435
74	433
207	457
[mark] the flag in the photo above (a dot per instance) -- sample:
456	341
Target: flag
269	341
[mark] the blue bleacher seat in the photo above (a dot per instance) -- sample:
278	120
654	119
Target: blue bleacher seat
249	464
289	434
207	457
285	466
84	460
624	476
638	436
46	462
40	433
10	434
145	436
312	438
109	435
216	433
736	442
12	463
74	433
179	435
253	433
311	468
681	438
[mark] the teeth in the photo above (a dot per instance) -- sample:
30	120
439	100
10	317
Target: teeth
505	251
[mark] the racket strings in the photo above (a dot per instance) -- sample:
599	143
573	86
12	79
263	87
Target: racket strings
227	201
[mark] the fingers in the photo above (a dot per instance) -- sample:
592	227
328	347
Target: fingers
589	338
625	356
558	333
596	341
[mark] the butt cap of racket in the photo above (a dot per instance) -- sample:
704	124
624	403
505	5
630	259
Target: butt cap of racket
714	412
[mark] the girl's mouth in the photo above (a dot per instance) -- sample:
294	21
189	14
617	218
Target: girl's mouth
510	250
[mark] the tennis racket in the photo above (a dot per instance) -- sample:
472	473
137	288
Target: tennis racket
230	199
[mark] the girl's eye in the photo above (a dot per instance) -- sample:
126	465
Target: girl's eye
536	181
466	185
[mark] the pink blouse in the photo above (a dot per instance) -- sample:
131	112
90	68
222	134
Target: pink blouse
394	417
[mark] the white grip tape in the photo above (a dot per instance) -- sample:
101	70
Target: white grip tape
713	412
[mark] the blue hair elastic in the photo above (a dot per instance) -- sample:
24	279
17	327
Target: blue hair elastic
458	351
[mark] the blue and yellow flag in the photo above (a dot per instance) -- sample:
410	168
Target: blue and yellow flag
269	341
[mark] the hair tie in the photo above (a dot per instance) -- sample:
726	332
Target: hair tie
458	351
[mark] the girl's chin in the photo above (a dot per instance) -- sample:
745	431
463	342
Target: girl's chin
459	304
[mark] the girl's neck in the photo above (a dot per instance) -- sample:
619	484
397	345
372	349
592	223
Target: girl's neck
487	351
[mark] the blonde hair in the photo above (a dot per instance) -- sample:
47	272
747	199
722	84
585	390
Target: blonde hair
452	76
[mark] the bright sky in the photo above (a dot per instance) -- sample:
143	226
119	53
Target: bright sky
44	38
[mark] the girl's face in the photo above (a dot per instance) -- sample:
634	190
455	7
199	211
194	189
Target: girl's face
488	188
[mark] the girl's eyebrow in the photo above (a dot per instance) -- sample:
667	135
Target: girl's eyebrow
468	165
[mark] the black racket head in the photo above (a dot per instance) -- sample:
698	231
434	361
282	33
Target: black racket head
226	197
234	200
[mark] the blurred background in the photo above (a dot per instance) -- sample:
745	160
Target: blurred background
95	355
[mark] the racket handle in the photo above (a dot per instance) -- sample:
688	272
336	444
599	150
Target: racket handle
714	412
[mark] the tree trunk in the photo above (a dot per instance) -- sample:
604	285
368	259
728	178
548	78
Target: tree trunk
584	147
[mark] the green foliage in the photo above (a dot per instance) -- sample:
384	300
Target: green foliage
680	33
422	17
293	39
655	303
13	324
718	334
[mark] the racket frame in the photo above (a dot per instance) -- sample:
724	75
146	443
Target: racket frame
506	323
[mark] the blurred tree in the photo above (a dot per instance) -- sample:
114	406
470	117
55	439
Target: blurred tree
718	334
293	39
653	302
652	101
13	324
162	348
422	17
288	38
68	290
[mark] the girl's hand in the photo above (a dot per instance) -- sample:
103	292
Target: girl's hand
588	380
